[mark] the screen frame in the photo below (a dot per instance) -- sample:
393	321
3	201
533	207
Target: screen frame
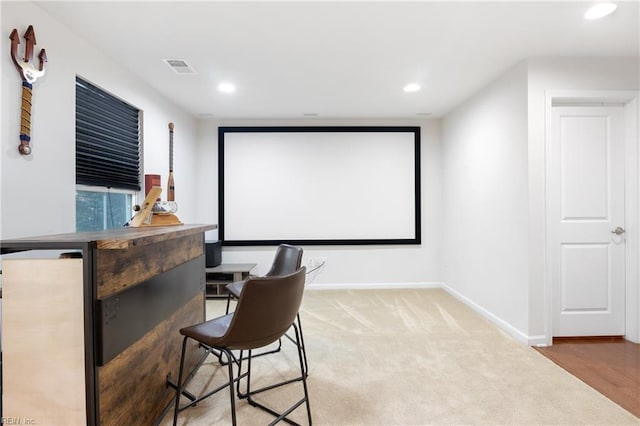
415	130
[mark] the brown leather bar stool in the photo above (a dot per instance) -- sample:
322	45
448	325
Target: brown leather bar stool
266	309
287	259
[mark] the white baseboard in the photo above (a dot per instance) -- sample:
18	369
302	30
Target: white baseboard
632	338
371	286
505	326
540	340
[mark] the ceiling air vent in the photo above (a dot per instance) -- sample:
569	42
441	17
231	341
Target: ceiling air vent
179	66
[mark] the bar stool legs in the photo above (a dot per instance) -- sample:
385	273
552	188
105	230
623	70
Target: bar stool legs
249	393
180	388
265	312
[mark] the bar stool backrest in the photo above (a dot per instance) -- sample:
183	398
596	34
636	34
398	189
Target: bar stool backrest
267	307
287	260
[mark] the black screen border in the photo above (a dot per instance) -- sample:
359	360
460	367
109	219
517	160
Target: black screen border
223	130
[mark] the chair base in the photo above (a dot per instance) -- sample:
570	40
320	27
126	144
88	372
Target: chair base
231	359
273	351
180	388
248	395
190	376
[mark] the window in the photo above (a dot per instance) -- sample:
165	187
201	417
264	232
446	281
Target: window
98	209
107	158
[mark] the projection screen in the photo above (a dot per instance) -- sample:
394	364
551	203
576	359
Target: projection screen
319	185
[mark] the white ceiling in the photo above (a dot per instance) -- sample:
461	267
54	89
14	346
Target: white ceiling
338	59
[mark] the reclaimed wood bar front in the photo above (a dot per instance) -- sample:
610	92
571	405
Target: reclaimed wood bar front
93	340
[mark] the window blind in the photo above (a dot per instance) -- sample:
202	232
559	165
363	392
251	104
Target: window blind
107	139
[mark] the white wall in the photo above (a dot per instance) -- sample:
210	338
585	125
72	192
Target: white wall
38	191
484	176
493	162
553	74
483	189
355	265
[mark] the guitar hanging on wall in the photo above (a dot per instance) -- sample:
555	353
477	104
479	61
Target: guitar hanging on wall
159	213
29	75
171	189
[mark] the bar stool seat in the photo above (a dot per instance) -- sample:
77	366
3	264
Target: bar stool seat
234	289
209	333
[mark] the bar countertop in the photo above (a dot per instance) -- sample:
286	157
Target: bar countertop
122	238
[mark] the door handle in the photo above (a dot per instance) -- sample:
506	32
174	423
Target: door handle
618	231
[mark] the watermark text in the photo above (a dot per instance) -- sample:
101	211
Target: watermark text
17	421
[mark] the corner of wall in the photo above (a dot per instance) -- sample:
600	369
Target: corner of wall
519	335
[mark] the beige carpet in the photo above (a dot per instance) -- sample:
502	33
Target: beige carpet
409	357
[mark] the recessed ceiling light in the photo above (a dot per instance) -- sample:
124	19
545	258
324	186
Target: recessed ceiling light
600	10
310	114
226	88
411	87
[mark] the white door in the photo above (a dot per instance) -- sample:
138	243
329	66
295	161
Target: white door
586	166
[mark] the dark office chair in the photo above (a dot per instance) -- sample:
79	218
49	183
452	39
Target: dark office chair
287	259
266	309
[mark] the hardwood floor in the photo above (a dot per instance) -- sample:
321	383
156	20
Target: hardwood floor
611	365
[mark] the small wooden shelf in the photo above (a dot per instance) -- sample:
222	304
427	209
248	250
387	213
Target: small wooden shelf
219	276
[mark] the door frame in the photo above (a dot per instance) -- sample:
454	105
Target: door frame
629	100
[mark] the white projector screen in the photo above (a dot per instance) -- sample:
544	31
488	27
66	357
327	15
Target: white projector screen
319	185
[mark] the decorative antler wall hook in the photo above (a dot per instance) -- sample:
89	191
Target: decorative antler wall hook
29	75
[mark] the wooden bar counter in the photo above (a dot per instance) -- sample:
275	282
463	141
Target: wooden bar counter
93	339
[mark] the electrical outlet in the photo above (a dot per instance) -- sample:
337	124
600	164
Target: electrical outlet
316	262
